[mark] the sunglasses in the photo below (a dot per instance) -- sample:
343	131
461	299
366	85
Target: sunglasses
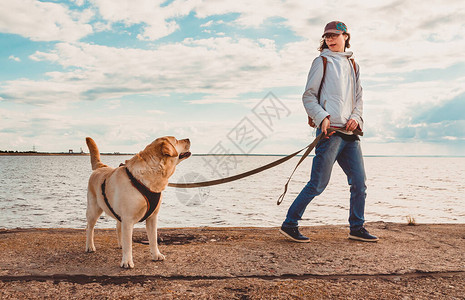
331	36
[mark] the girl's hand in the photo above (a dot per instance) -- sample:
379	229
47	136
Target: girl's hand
351	125
311	123
325	125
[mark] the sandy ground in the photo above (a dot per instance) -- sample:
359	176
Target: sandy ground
409	262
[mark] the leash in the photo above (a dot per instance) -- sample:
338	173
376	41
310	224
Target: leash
263	168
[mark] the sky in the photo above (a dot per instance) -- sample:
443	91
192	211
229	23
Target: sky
228	75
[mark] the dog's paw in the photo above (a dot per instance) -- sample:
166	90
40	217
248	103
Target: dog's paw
90	249
158	256
127	264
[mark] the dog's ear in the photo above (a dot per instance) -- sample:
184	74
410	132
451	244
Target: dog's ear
168	149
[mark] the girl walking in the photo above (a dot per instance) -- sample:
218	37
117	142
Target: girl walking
333	98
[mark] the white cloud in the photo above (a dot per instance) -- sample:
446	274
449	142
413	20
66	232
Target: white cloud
394	36
79	2
252	13
160	20
43	21
156	18
101	26
12	57
208	24
113	104
219	66
450	138
158	30
41	56
156	112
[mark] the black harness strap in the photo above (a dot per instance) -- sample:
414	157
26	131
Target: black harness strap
152	199
108	203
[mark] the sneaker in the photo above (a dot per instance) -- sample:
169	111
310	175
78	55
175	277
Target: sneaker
294	234
362	235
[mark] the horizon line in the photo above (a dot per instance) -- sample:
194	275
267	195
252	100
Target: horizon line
36	153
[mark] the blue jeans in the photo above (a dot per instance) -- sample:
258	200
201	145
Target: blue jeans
348	154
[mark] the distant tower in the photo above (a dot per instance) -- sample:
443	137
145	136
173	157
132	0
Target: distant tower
34	148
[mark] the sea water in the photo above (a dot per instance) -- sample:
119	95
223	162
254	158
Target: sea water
50	191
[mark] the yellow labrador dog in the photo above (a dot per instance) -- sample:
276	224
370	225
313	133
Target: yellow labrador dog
132	192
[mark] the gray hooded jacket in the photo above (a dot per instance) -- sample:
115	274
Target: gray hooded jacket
341	93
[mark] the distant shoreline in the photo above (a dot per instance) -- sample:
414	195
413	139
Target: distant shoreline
202	154
54	154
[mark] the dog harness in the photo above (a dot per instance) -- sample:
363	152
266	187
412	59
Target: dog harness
152	199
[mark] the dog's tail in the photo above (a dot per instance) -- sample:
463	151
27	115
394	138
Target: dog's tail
94	154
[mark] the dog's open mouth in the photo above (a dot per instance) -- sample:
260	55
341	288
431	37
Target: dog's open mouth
184	155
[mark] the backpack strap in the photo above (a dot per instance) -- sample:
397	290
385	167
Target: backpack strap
353	63
325	61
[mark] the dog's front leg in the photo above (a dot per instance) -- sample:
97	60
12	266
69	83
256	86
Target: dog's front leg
118	234
151	227
126	240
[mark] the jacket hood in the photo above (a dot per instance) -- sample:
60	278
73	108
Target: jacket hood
329	53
